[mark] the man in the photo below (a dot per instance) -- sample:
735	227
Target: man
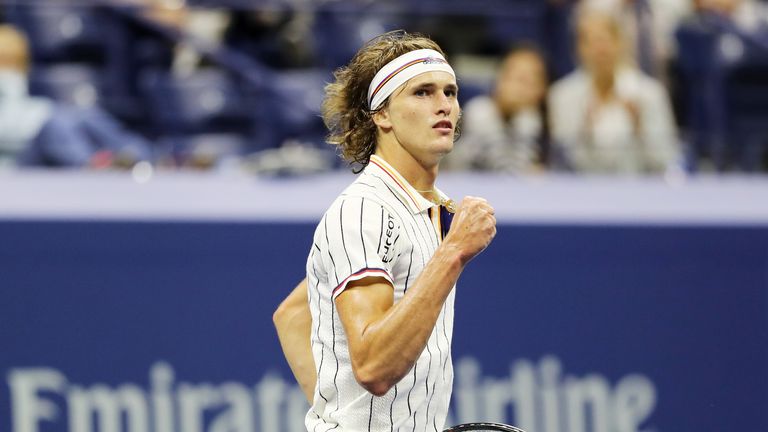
381	274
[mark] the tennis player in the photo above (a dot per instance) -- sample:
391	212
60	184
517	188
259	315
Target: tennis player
383	265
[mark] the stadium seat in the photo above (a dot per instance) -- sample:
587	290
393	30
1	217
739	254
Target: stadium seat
746	90
60	31
725	87
200	119
341	27
701	89
516	22
207	101
470	89
294	106
73	84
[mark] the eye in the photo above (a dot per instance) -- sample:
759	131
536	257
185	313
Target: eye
451	92
421	92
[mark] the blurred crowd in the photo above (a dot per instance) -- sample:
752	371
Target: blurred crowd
624	87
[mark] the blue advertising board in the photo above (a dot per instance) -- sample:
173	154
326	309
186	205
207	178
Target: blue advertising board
166	326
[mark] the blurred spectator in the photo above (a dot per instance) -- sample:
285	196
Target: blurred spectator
137	42
506	131
38	131
649	26
608	116
202	25
21	117
159	35
723	72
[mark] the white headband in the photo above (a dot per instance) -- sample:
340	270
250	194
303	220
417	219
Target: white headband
400	70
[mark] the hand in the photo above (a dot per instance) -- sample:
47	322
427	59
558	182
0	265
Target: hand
472	229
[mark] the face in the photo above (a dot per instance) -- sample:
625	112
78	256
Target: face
599	44
521	82
13	51
421	117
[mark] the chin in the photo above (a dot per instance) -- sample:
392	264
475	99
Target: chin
443	148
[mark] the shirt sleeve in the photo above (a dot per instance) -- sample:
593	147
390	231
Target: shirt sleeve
362	239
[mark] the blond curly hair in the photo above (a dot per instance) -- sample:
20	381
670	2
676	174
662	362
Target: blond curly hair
345	108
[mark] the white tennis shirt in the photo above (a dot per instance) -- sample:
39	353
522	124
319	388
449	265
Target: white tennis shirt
379	226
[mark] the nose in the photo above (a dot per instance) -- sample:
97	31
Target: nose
444	104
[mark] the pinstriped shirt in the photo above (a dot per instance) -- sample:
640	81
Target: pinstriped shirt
379	226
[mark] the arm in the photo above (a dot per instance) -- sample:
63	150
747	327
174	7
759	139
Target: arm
293	322
386	339
658	132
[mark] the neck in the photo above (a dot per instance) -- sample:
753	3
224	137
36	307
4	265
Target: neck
603	83
506	111
418	174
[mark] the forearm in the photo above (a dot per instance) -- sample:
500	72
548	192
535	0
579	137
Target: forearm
394	341
293	322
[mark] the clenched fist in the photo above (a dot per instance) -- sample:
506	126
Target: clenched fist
472	229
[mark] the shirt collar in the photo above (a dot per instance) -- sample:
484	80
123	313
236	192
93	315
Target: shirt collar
409	195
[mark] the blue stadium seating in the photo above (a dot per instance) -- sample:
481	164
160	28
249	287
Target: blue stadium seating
701	89
340	28
512	22
60	31
200	118
294	105
746	97
73	84
725	91
206	101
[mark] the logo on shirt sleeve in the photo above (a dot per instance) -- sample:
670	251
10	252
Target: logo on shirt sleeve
390	234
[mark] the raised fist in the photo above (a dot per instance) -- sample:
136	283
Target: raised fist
473	228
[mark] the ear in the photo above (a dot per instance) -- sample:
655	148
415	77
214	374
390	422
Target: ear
382	119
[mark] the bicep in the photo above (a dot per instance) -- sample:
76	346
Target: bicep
296	305
363	302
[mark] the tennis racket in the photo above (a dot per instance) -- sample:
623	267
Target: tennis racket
481	427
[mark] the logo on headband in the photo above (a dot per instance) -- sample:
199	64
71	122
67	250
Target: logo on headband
433	60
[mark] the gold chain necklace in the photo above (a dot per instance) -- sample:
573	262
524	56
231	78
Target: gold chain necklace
448	203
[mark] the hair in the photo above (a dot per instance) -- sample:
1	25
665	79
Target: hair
522	48
15	43
585	16
345	108
526	47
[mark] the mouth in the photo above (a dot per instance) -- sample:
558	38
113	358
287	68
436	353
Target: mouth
443	126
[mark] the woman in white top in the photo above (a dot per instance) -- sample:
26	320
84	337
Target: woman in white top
607	116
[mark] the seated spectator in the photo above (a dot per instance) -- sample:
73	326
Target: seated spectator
21	117
506	131
38	131
174	17
607	116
